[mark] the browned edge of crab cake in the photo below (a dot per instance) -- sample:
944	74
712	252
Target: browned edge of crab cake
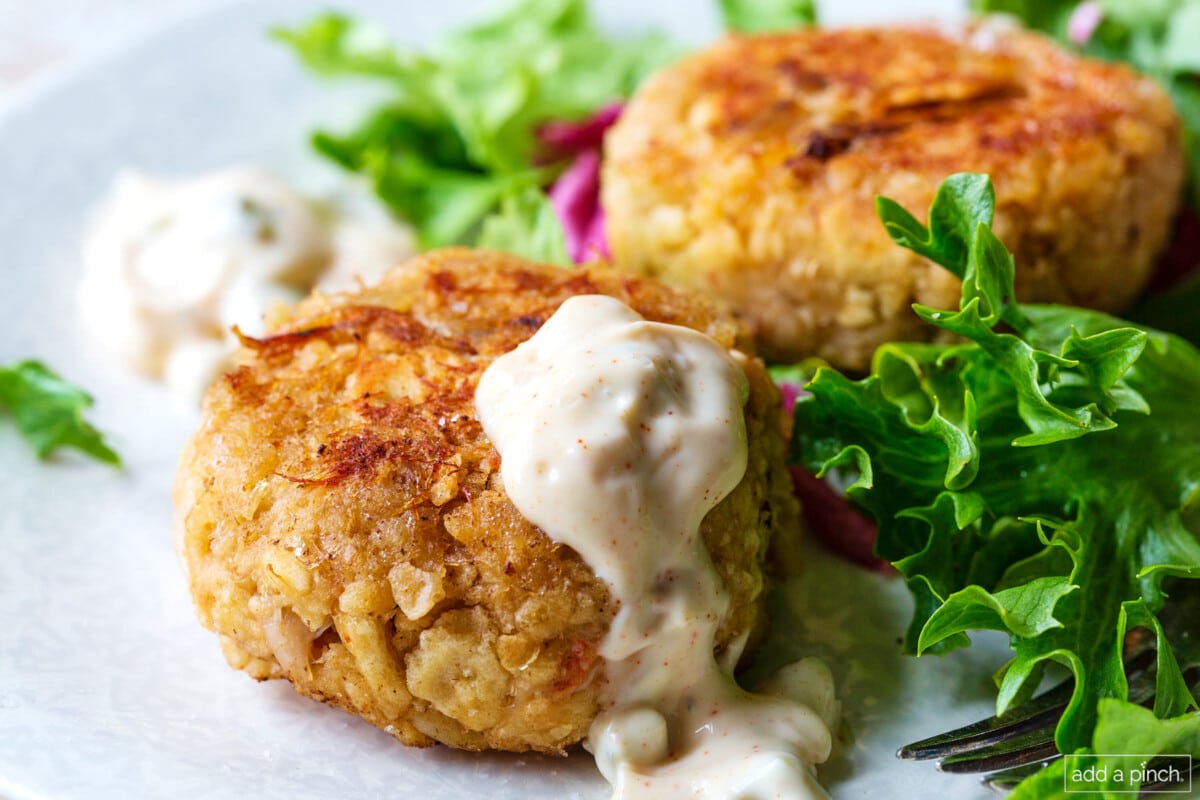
750	170
343	525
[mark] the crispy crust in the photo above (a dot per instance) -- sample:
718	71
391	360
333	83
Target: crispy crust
750	170
343	524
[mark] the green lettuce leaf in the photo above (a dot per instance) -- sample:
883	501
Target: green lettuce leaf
527	226
457	135
1122	729
763	16
1040	477
48	411
1044	15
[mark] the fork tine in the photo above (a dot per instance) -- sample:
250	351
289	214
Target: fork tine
1039	713
1006	780
1018	749
1028	748
1161	786
1013	747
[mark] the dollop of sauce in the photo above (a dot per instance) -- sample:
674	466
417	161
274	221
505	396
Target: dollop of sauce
171	267
617	436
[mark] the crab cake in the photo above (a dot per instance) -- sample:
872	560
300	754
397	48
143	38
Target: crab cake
343	525
750	171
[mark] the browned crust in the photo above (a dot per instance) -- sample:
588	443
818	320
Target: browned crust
340	490
750	170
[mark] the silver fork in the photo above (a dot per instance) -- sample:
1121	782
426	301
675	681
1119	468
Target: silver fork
1013	746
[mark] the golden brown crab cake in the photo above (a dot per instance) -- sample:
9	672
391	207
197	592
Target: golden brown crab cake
750	170
343	524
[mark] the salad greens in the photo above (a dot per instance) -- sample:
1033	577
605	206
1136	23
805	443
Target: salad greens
48	411
1157	37
762	16
1041	479
1126	728
526	225
472	135
1122	728
458	139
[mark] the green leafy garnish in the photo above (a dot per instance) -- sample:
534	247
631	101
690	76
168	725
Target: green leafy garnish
1122	728
763	16
526	225
457	140
1040	478
48	411
1158	38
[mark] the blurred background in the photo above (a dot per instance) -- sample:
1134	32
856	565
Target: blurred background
39	37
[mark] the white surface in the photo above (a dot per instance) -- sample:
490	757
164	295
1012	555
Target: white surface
108	686
39	37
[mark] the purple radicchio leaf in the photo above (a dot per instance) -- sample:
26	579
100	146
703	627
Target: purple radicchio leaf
1083	22
828	515
564	138
575	197
789	393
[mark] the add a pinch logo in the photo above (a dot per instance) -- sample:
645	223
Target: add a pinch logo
1135	774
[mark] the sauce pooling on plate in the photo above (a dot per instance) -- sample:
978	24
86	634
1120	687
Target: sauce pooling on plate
617	436
170	267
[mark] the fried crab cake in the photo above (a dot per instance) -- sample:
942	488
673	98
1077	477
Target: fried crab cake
343	525
750	171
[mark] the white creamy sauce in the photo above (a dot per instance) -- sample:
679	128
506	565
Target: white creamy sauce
616	437
170	267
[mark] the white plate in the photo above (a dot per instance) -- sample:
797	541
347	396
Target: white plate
108	686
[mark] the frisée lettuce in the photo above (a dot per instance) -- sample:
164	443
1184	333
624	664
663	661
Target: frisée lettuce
1040	478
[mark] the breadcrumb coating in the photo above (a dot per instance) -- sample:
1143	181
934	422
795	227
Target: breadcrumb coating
343	524
749	170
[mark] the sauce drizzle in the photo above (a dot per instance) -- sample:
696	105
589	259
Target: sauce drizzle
617	436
